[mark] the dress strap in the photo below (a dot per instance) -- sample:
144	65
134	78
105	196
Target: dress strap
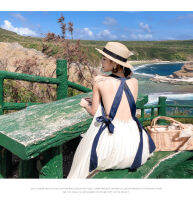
130	99
117	99
138	157
118	77
107	123
113	110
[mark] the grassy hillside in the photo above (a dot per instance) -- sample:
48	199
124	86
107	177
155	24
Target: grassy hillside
174	50
146	50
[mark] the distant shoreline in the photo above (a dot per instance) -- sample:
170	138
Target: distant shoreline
157	78
143	62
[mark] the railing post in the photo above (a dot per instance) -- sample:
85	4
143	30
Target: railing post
61	73
162	109
1	95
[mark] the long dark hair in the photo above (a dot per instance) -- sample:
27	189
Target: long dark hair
126	71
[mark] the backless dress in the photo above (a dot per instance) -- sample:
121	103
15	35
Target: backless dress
110	143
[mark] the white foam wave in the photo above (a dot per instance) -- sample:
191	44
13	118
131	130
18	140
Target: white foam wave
141	66
145	74
153	98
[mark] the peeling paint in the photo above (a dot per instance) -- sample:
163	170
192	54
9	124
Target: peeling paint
43	121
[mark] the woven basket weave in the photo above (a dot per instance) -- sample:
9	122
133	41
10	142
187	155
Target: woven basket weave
167	137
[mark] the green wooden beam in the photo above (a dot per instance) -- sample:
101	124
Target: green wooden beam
61	73
78	87
28	77
52	163
1	95
28	169
5	162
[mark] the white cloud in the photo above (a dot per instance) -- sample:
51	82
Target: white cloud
88	31
84	33
18	16
141	36
110	21
106	35
124	37
145	27
21	30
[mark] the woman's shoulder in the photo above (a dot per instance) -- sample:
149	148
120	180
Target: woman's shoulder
99	78
134	82
134	79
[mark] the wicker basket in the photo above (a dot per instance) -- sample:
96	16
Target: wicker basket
168	137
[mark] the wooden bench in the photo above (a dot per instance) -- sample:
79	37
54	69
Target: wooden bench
41	130
37	133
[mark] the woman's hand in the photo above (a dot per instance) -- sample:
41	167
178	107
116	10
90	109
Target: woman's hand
89	100
84	102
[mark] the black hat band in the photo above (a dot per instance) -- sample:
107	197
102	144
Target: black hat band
114	55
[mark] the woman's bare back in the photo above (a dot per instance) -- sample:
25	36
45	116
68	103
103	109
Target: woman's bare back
108	87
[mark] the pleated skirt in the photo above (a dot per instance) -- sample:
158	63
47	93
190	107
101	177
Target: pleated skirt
114	151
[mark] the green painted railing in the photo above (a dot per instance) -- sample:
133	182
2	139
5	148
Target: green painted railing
52	147
62	92
61	80
162	110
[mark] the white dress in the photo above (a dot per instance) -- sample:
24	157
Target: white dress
110	143
114	151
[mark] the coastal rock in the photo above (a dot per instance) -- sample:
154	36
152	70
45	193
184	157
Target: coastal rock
185	72
15	58
183	76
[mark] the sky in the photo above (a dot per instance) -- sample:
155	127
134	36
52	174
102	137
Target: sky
103	25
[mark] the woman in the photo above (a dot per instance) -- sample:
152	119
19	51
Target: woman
115	138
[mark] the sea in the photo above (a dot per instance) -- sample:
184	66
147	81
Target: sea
176	94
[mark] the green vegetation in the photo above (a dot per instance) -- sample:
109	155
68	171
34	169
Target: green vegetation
144	50
174	50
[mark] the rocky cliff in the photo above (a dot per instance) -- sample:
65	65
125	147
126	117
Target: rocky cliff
185	72
15	58
184	75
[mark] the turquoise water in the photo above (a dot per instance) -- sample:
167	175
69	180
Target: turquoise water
162	69
176	94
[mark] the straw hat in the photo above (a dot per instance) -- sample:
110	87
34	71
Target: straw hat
118	53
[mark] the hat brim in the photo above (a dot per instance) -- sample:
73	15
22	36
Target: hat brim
124	64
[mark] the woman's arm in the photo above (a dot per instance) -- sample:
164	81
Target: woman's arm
91	109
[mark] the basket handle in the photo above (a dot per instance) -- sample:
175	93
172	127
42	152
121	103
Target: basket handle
166	118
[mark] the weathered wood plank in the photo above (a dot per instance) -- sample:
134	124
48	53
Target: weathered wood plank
30	131
36	124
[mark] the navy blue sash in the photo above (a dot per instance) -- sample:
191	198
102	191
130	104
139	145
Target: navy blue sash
107	122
